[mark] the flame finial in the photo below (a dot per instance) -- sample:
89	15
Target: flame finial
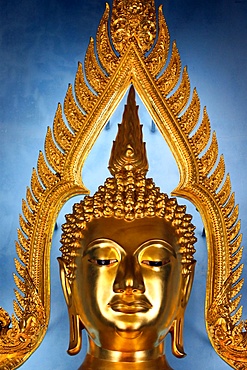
129	150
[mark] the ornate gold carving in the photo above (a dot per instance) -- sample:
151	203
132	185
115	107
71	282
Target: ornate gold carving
158	56
230	205
84	95
128	150
27	326
180	98
225	191
53	153
62	135
169	79
217	176
107	57
202	134
94	73
209	159
73	114
202	178
36	188
133	19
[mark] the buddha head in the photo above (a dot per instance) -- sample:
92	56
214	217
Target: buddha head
127	259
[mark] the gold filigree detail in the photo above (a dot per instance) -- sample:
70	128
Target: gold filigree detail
62	135
217	176
85	97
73	114
228	332
209	159
107	57
27	326
158	56
95	75
180	98
170	77
133	19
201	136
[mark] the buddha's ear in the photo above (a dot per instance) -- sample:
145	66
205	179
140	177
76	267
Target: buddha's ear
187	281
177	327
64	281
75	324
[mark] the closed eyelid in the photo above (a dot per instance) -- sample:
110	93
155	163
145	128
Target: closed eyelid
102	244
159	244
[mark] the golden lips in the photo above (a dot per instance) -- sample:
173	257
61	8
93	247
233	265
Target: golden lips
130	305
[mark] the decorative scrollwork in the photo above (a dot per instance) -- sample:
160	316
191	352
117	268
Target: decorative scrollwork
29	322
133	19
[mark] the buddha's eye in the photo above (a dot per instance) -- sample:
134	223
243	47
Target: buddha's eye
155	263
103	262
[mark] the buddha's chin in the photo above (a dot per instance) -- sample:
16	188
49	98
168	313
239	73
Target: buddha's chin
127	334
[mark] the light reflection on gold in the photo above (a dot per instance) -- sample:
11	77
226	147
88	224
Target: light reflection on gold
127	296
125	279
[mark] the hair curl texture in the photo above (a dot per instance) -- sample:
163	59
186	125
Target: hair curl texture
129	195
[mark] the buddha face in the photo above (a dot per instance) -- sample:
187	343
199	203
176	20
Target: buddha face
128	282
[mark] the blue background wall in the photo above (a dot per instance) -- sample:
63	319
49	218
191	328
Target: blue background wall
40	45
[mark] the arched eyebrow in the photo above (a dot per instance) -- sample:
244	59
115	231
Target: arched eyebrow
94	244
104	242
162	243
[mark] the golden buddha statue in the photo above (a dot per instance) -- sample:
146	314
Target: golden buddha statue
127	263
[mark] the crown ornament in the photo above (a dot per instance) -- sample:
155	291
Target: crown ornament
128	151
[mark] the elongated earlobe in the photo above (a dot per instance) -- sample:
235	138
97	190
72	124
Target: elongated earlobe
177	337
75	338
177	327
75	324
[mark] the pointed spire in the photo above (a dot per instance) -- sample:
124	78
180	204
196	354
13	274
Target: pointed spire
129	151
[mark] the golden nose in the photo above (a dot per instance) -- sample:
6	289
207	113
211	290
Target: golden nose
129	277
